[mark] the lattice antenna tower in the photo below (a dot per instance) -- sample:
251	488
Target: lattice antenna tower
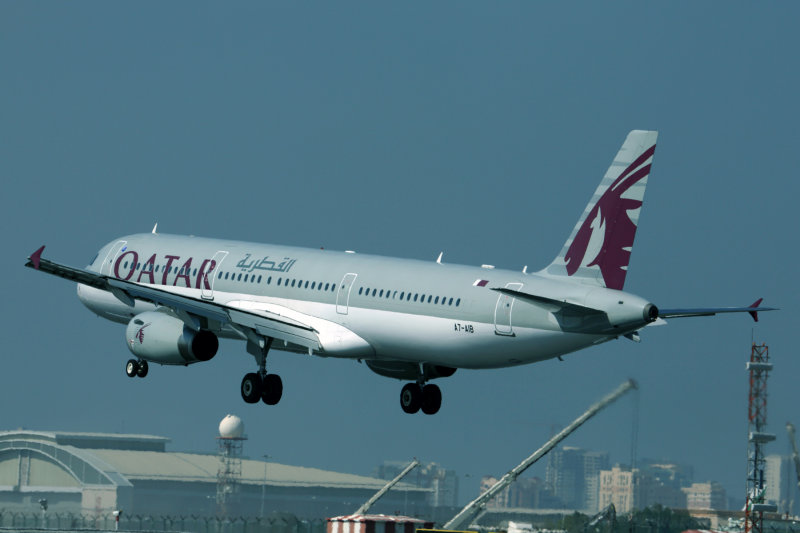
230	444
758	367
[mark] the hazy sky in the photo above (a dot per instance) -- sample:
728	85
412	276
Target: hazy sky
480	129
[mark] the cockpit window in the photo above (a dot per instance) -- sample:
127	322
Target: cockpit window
95	258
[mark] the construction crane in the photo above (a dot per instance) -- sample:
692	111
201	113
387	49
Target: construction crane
608	514
795	456
364	508
462	520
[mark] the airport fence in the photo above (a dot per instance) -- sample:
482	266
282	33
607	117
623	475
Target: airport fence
52	521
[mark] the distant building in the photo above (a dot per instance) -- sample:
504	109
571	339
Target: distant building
96	473
573	477
705	496
524	493
443	484
668	473
780	484
661	483
617	486
593	464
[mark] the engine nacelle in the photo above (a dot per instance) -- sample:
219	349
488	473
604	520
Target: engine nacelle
164	339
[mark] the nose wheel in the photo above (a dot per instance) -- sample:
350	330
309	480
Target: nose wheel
134	368
414	397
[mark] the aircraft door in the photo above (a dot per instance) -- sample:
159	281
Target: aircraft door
343	296
502	311
107	267
210	275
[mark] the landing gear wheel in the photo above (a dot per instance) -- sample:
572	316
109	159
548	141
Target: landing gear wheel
142	370
251	388
132	368
431	399
411	398
272	389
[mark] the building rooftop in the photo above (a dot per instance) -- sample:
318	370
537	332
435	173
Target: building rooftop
121	459
109	441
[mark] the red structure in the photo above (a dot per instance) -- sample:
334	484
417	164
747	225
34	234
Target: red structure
376	523
755	506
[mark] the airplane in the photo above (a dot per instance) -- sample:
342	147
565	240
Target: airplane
411	320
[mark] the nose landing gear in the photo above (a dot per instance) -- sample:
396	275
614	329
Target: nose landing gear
135	368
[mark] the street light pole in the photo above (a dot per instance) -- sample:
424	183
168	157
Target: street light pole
264	485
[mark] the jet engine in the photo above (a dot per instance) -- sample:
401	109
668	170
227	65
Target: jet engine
165	339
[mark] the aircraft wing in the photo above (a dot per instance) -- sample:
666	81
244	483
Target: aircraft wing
753	309
193	311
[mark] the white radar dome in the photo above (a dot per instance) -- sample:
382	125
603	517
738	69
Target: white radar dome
231	427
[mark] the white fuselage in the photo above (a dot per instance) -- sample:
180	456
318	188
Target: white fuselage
367	307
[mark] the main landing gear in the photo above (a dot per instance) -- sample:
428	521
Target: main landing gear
265	387
416	396
136	368
260	385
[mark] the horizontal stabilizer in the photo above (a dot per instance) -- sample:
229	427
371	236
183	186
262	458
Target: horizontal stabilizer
753	309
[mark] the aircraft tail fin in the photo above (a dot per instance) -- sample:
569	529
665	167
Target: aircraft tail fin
598	250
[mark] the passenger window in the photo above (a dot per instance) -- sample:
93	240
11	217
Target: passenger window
269	280
259	278
157	267
415	297
333	286
408	297
360	289
450	302
429	298
195	272
300	284
226	275
293	283
394	295
380	294
125	264
436	301
219	275
422	299
319	286
326	286
402	294
279	282
458	302
306	286
245	277
314	284
374	292
239	278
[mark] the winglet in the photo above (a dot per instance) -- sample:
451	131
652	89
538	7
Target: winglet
754	314
36	257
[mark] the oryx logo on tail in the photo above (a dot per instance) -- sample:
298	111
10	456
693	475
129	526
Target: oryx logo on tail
599	248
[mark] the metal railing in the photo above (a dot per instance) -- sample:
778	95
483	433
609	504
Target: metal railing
17	520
